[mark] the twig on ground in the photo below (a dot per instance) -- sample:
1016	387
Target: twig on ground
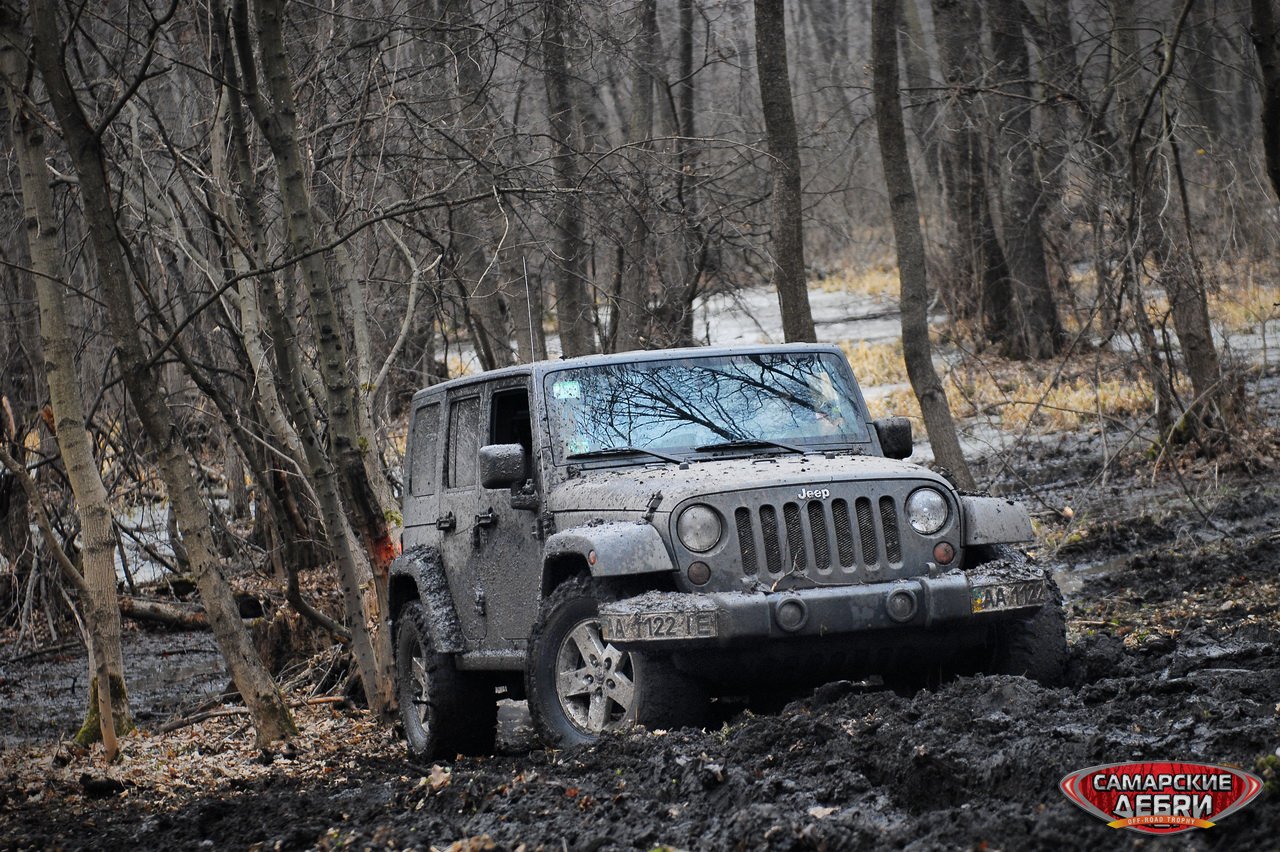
197	718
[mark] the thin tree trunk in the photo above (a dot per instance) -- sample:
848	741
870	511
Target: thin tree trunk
784	152
473	267
108	713
916	351
1202	90
978	260
1039	331
1140	224
635	272
268	710
372	653
1266	40
573	303
915	63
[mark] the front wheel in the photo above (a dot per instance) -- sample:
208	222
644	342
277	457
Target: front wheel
580	685
444	711
1034	647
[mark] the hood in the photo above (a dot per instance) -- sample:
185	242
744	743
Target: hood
629	488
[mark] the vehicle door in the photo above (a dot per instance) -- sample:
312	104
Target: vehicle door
422	475
508	553
459	504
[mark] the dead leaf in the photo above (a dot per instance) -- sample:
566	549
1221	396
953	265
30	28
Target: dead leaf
818	812
439	778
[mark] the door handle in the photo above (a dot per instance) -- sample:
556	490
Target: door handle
446	522
486	518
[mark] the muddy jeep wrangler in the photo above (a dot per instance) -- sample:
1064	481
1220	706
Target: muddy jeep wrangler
618	538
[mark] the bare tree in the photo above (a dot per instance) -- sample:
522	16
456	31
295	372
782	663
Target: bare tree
979	267
789	277
354	500
1038	331
108	713
268	710
1266	40
573	317
916	351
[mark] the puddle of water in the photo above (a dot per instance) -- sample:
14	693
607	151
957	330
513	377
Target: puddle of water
43	699
1072	579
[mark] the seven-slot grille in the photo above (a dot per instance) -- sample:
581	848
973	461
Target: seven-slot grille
819	535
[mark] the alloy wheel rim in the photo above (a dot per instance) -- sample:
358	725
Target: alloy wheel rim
595	681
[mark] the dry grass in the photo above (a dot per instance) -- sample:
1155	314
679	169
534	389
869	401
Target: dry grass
875	363
1044	405
900	402
876	280
1016	396
1244	309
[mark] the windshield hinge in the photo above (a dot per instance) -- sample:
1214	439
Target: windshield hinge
654	502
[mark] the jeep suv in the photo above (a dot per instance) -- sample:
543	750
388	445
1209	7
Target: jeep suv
619	537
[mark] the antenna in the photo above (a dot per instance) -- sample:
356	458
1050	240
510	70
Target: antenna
528	303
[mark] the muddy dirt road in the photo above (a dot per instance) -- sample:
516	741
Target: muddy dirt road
1175	629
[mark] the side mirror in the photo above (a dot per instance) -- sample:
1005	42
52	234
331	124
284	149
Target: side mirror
502	465
895	436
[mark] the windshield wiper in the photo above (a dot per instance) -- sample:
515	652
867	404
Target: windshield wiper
606	452
749	444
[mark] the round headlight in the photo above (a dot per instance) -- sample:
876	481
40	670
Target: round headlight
926	511
699	528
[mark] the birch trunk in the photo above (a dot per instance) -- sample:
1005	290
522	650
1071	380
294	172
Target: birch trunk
374	669
108	713
267	708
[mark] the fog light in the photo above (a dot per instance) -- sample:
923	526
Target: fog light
699	573
901	605
792	614
943	553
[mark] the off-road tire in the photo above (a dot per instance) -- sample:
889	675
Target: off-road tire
1034	647
446	712
662	696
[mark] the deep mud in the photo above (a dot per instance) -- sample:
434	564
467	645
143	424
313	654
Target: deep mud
41	695
1175	623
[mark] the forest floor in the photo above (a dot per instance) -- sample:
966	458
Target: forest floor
1173	595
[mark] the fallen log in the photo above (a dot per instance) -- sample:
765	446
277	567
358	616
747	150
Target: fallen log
185	616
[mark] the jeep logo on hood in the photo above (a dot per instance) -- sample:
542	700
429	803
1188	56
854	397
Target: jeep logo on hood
813	494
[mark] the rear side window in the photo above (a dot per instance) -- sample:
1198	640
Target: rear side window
464	442
426	450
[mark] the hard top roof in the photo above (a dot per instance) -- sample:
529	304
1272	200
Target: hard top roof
542	367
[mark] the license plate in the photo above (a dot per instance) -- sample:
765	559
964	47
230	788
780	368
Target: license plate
1001	596
647	626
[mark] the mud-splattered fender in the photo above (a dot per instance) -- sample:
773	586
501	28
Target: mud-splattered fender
613	549
419	573
995	520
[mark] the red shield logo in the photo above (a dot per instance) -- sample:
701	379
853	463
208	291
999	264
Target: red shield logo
1161	798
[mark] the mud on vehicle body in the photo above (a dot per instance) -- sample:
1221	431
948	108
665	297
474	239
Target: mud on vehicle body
619	537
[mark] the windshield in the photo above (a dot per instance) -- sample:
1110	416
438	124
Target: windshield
688	405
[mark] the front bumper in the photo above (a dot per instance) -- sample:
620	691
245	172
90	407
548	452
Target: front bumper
678	620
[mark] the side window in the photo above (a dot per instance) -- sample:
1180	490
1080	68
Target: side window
509	423
426	450
464	442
